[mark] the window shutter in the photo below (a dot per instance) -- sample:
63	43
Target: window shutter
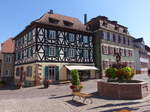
120	51
124	52
46	49
57	72
27	52
57	51
128	52
65	52
88	39
131	53
108	49
46	73
80	39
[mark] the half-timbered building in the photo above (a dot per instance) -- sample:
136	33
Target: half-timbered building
50	47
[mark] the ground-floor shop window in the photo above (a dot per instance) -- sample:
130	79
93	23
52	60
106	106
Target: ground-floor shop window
29	71
17	71
84	75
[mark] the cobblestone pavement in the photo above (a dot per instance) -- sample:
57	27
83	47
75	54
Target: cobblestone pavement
57	98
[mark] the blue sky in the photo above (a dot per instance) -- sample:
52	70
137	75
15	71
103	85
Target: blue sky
16	14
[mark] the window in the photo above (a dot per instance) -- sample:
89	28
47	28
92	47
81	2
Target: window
22	54
7	73
80	53
52	34
29	52
110	50
116	50
105	49
104	24
108	36
54	21
68	23
71	52
18	55
128	41
71	37
125	52
29	36
86	54
25	39
17	71
119	39
52	51
29	71
105	64
85	39
124	30
129	52
124	40
22	40
116	28
102	34
8	59
114	38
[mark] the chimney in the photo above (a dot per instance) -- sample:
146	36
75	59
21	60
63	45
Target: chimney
85	18
50	11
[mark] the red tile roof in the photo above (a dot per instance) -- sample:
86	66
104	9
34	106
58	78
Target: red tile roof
8	46
77	24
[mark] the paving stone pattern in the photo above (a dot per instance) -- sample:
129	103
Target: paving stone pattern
57	98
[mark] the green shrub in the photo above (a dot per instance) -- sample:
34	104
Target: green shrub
125	73
75	77
111	73
121	73
2	83
128	72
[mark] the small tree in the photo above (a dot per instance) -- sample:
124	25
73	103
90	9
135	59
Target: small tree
75	77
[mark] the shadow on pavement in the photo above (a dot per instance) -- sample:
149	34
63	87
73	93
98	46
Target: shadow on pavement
8	88
114	105
118	109
60	97
96	95
75	103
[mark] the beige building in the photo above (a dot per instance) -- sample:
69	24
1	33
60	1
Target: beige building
8	60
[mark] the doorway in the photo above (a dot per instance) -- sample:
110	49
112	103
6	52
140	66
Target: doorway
52	73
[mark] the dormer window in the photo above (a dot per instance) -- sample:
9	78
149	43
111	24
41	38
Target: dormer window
104	24
54	21
124	30
68	23
116	28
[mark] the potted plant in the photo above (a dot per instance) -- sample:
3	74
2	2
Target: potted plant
19	84
76	85
2	83
46	83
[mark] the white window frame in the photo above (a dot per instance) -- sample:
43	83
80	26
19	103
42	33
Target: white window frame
71	37
86	54
52	34
8	59
52	51
71	52
85	39
7	73
29	71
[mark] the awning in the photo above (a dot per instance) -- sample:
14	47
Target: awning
81	67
